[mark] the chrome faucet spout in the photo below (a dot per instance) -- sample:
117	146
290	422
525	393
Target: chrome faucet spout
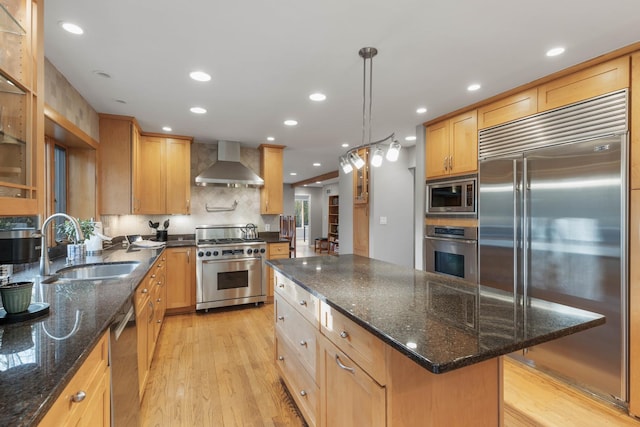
44	250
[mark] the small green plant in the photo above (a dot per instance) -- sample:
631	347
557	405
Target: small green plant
68	230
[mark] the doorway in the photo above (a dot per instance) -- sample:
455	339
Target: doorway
302	209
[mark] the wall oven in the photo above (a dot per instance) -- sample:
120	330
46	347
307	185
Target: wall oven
452	197
452	251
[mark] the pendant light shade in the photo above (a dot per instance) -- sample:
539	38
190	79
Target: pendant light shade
394	151
345	165
356	160
376	159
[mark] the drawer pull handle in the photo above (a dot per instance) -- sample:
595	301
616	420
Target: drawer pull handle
159	321
281	358
144	291
281	318
303	393
79	396
281	285
344	334
346	368
303	343
302	302
153	276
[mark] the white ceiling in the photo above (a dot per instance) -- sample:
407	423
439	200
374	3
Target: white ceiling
266	57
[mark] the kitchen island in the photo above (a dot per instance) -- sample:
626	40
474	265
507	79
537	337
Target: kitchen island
421	348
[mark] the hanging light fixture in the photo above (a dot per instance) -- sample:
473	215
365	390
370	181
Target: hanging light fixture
351	159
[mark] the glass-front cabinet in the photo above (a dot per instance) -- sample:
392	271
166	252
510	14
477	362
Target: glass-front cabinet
21	111
361	179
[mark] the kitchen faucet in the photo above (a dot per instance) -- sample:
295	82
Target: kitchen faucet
44	250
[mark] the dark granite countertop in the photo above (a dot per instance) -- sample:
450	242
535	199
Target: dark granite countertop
38	357
442	324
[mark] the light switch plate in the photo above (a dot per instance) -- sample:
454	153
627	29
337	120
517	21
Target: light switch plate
383	220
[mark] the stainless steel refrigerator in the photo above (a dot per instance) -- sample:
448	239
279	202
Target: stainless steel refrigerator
552	225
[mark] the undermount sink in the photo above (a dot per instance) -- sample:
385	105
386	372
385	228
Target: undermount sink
110	270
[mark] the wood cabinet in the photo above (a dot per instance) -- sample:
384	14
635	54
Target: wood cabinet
333	215
514	107
22	164
86	400
597	80
276	250
150	306
451	146
271	194
361	179
361	229
180	280
142	173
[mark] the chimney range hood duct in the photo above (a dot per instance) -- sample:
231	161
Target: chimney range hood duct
228	171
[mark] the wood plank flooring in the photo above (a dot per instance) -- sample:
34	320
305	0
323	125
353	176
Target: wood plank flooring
216	370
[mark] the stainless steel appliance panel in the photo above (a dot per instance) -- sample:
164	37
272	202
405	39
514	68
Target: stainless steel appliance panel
574	223
448	197
453	256
230	280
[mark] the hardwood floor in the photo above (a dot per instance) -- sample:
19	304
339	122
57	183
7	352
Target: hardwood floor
216	370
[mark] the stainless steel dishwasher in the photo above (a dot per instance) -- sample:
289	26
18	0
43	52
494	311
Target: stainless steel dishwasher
125	401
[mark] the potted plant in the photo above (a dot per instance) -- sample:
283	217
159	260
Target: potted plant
76	249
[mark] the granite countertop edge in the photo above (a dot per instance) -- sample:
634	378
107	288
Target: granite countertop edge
441	367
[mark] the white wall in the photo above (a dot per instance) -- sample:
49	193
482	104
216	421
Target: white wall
419	197
391	200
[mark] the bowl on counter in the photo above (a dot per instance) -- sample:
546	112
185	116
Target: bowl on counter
16	297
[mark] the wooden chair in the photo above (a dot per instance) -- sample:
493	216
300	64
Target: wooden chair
288	232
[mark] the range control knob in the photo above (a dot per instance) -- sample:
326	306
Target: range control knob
262	250
215	253
200	253
249	251
208	253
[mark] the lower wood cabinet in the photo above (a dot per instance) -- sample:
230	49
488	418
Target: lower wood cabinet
350	396
150	302
86	400
180	280
277	250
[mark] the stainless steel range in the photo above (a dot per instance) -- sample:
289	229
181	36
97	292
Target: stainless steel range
230	267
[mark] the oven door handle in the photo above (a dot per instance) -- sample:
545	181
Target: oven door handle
219	261
452	240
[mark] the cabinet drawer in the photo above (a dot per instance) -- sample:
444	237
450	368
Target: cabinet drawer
88	380
278	250
361	346
302	387
306	304
300	334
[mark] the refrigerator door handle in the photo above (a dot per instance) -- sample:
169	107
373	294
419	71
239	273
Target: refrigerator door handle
525	229
516	198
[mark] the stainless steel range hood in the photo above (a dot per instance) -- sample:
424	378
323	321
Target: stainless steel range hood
228	171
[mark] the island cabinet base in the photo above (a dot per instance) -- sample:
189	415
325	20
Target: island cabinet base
469	396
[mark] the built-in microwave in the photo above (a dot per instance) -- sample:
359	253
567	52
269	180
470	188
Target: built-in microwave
452	197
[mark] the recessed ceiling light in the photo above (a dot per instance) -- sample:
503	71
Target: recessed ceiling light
473	87
317	96
270	138
421	110
200	76
290	122
293	174
197	110
318	182
410	138
555	51
102	74
345	145
71	28
317	164
166	128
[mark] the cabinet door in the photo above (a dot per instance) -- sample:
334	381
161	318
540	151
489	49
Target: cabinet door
117	139
178	176
361	179
510	108
463	154
149	176
437	150
179	279
361	230
271	195
350	396
97	412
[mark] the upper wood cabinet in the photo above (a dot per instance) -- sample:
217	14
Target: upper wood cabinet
597	80
511	108
142	173
271	195
452	146
22	151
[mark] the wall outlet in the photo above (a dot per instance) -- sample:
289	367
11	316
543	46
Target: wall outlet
267	227
383	220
